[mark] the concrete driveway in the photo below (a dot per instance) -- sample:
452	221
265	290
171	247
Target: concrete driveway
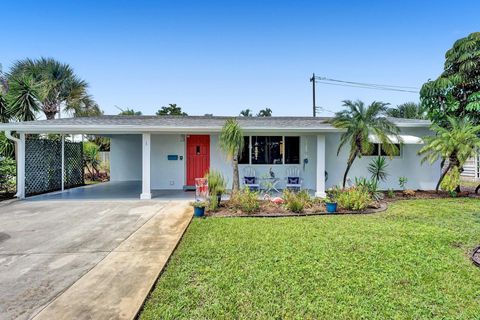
47	246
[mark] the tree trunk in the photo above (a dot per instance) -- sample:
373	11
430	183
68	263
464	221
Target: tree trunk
349	165
236	182
50	115
452	162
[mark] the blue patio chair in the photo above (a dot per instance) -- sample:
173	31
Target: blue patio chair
293	179
250	179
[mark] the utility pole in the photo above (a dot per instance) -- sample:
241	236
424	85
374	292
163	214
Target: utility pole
312	80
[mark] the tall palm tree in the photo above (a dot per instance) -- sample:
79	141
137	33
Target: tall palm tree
359	121
408	110
455	143
58	85
231	142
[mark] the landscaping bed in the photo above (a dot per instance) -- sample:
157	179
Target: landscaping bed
270	209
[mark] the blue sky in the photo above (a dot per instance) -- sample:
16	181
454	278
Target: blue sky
224	56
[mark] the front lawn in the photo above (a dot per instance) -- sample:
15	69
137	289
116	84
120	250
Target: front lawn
410	262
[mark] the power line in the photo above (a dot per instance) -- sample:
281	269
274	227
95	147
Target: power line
355	84
365	87
364	84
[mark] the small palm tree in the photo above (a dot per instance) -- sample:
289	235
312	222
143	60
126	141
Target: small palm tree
22	98
231	142
359	121
58	85
455	143
130	112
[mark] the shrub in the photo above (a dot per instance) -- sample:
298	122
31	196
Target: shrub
390	193
402	182
7	175
355	198
296	202
245	200
216	186
371	186
451	181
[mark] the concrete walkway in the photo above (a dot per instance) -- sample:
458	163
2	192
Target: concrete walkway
117	286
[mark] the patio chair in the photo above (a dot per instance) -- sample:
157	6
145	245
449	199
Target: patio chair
294	181
250	179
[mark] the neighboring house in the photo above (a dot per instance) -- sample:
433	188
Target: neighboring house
471	168
169	152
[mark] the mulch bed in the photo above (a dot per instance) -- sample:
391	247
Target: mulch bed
424	194
272	210
476	256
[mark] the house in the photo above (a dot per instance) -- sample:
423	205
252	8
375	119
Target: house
169	152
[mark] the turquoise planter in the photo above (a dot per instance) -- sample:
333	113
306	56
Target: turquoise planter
331	207
198	212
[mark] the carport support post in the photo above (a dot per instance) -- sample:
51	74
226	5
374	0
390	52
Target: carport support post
320	192
146	192
63	161
21	167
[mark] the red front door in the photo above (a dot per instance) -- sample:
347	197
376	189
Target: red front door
198	157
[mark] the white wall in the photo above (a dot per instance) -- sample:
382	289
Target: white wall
126	157
167	174
126	162
408	164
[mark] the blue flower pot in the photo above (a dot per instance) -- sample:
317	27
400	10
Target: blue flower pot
331	207
198	212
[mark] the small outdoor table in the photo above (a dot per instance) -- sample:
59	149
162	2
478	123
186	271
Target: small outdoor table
271	185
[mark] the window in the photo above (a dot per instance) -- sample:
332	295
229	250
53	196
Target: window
267	150
292	150
377	150
244	154
270	150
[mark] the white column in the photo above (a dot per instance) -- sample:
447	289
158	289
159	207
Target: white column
320	192
21	167
63	161
146	192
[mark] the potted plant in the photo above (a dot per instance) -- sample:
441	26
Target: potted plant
331	200
217	184
199	208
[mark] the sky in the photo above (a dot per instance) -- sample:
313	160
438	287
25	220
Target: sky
221	57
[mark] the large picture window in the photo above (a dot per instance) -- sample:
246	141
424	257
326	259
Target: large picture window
270	150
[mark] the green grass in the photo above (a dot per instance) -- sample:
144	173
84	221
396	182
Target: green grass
411	262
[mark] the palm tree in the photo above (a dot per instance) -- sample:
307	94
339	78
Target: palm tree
58	85
22	98
4	110
267	112
455	143
84	107
408	110
231	142
360	121
246	113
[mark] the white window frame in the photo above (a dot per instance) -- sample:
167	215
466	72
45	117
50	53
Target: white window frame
400	156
